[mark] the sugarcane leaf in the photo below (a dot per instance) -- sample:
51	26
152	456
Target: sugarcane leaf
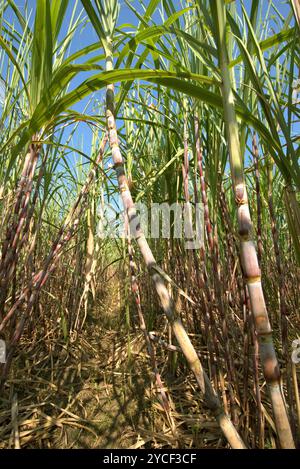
41	69
168	279
7	49
58	11
266	44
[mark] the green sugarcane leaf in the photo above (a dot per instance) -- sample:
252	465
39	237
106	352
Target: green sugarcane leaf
41	69
58	11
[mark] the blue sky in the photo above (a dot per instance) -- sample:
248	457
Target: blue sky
86	35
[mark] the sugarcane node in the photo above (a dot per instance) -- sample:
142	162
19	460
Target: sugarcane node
113	136
111	123
271	370
241	201
116	154
244	235
245	229
240	194
254	279
265	334
110	95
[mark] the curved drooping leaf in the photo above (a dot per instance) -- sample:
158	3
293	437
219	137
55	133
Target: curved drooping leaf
47	114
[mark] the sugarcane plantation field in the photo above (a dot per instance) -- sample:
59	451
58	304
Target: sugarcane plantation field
150	224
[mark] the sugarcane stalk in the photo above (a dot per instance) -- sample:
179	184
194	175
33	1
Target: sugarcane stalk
247	248
31	291
179	331
258	198
20	212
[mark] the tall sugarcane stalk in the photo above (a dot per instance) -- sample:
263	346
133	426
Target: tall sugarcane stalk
247	248
210	397
249	330
258	198
18	221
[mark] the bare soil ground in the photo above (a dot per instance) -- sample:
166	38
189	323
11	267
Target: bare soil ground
96	391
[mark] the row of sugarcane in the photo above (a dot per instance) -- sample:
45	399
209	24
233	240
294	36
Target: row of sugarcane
216	329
